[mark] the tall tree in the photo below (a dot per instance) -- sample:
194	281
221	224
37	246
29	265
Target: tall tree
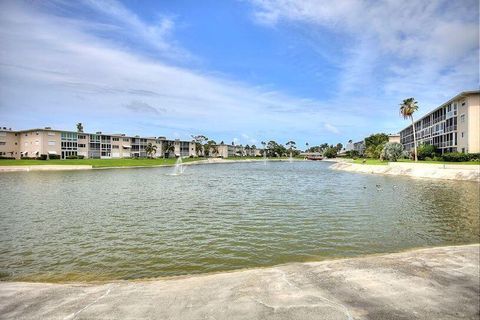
264	144
167	148
376	139
247	150
79	127
291	146
210	148
407	108
200	140
150	149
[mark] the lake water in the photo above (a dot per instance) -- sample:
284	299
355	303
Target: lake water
141	223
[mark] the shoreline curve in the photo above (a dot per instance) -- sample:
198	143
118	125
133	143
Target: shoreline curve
440	283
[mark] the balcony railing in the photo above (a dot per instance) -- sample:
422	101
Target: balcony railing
451	128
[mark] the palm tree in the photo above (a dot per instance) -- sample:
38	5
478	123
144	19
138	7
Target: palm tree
200	140
150	149
247	150
168	147
210	148
291	146
407	109
264	146
253	149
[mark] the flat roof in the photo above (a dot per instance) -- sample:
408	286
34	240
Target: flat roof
119	135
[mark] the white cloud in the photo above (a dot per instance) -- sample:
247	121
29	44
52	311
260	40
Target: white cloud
71	75
427	49
331	128
143	108
58	70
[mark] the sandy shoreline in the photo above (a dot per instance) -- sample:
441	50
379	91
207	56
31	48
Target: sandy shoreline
433	283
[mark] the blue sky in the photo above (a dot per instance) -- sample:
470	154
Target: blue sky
244	71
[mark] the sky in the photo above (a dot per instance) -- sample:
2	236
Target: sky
235	71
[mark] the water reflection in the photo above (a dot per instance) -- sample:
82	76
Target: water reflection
125	224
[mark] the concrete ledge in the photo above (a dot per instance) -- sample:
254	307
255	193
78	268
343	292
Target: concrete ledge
44	168
418	170
434	283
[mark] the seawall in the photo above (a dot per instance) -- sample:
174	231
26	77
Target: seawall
433	283
418	170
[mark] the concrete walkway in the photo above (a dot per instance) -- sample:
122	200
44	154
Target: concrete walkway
435	283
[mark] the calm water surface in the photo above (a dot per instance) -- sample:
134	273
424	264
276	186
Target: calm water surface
138	223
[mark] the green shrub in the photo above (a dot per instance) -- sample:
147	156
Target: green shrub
352	154
426	150
374	152
81	157
474	156
330	152
7	158
71	157
43	157
53	156
456	157
392	151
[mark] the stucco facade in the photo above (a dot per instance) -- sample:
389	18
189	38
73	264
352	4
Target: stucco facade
452	127
36	142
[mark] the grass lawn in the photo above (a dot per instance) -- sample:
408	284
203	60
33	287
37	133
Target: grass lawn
378	162
261	158
441	162
375	162
97	163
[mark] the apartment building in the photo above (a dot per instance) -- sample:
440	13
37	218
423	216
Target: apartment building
359	147
35	142
394	138
231	150
454	126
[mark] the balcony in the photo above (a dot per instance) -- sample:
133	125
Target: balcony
451	128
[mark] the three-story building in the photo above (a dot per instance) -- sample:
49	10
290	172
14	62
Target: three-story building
452	127
33	143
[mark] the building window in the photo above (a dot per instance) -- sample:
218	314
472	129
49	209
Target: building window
81	136
51	143
126	140
81	145
462	118
115	147
462	134
116	139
